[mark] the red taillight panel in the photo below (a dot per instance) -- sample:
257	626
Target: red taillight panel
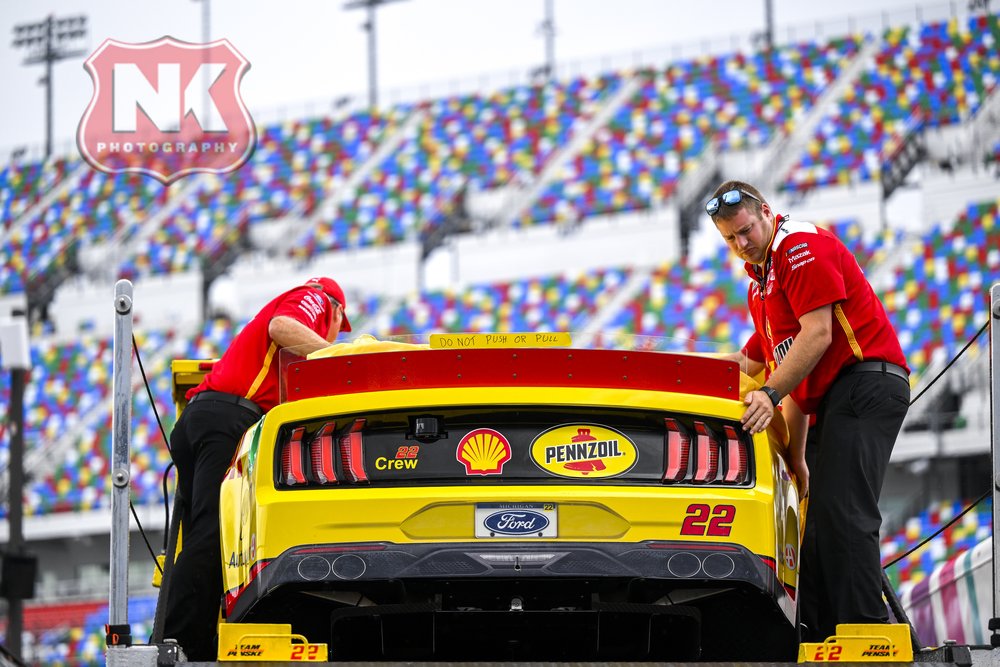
706	454
678	444
352	453
737	465
322	455
293	469
702	457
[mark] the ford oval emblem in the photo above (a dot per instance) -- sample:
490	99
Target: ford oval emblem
516	522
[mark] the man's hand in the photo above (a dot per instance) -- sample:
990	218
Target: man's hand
759	412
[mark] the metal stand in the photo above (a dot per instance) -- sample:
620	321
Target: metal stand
994	623
168	567
119	633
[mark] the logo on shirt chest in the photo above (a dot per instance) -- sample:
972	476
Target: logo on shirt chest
781	349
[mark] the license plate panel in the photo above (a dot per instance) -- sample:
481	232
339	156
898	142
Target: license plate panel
517	520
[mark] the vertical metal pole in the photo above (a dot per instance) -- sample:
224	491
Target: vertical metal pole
49	58
15	495
121	424
994	425
550	39
768	24
372	64
206	37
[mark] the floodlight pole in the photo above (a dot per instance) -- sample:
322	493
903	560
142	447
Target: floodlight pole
549	30
48	87
369	26
768	24
48	38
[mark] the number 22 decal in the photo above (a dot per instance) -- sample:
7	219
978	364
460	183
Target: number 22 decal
697	521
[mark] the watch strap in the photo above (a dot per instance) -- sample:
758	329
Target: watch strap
773	394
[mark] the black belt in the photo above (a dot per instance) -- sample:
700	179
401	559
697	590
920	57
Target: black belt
883	367
228	398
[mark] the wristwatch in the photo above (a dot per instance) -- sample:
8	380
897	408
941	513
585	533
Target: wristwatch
772	393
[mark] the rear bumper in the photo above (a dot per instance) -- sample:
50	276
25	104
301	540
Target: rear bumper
359	566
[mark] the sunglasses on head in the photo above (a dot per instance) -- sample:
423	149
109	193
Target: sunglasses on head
731	198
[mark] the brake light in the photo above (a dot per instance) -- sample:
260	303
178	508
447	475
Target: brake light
736	457
293	469
706	454
678	451
352	453
321	455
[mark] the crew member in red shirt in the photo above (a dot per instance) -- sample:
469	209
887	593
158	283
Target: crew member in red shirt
837	357
239	389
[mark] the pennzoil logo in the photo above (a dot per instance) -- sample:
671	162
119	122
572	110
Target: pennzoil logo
483	452
583	451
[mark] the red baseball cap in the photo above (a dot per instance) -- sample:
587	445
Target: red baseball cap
331	288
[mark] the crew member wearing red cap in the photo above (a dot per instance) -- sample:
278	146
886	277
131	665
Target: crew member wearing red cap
833	354
239	389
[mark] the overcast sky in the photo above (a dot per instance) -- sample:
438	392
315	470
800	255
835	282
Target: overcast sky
306	53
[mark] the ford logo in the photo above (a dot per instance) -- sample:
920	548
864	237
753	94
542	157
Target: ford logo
516	522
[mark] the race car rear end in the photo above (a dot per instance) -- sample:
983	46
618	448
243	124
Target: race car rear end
494	503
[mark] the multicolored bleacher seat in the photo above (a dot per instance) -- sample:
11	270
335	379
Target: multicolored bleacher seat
693	306
481	141
74	634
97	207
550	303
22	185
729	102
970	530
941	289
936	74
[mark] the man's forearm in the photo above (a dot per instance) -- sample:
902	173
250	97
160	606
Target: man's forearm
805	352
288	332
798	428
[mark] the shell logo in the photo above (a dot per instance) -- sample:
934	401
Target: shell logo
483	452
583	451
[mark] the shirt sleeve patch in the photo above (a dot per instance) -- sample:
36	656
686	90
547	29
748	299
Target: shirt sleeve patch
814	278
789	227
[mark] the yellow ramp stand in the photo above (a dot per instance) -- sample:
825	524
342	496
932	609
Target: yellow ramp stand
266	642
862	642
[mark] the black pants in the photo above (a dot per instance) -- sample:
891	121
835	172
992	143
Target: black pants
840	579
202	443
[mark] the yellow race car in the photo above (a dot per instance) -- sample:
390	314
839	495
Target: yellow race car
498	497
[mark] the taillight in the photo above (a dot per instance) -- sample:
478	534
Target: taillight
321	455
352	453
706	454
736	468
678	451
702	457
293	469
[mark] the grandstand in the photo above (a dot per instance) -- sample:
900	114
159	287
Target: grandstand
569	205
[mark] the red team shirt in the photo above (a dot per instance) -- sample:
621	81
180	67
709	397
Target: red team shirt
808	267
240	371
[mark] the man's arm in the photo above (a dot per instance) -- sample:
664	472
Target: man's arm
289	332
809	345
798	427
749	366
